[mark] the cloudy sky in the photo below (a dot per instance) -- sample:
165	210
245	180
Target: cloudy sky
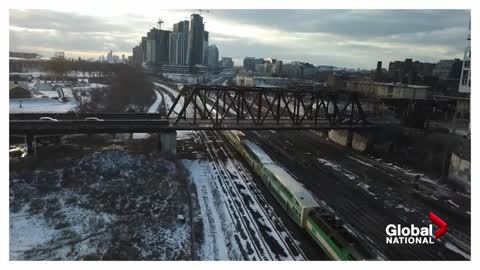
345	38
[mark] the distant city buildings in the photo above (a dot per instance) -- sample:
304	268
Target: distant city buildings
408	71
23	55
187	45
226	62
59	55
111	58
448	69
249	63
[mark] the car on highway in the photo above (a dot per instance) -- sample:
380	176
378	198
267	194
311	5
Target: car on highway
46	118
93	119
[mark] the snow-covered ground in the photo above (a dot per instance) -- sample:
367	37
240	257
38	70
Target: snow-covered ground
184	78
46	105
217	229
46	101
107	204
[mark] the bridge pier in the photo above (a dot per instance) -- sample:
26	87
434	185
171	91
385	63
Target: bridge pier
168	142
349	138
30	143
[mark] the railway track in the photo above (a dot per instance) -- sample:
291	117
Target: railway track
364	213
264	237
389	186
273	221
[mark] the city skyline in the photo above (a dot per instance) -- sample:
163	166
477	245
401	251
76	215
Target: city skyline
344	38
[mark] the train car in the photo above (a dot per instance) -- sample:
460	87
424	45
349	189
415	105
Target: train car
234	137
330	234
255	156
326	230
292	196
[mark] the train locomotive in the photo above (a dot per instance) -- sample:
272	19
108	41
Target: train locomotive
322	225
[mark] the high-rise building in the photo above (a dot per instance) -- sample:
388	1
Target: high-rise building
407	71
179	44
212	56
249	63
195	40
110	57
465	75
157	47
277	67
448	69
205	48
143	47
137	56
378	72
173	50
226	62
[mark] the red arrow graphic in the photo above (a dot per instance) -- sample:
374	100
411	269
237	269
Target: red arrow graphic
442	225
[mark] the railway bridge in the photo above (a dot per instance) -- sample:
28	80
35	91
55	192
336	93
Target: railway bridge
200	107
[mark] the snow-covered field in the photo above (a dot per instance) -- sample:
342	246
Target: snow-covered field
47	101
46	105
102	205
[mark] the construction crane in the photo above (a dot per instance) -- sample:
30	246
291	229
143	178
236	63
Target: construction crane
160	21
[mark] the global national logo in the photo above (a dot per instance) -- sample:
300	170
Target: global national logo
398	234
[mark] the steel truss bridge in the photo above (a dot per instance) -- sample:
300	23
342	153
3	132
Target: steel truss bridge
201	107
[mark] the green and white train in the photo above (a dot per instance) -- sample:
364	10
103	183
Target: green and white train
327	231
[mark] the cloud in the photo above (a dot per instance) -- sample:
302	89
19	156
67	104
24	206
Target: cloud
359	23
354	38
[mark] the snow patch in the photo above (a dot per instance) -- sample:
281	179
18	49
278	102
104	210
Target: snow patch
27	232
